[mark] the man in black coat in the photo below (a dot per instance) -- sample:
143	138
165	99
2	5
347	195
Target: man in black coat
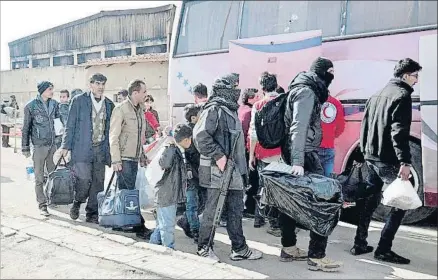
86	136
384	141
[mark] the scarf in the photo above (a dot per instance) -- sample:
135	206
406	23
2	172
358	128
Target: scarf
225	93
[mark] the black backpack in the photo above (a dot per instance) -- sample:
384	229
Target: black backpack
269	122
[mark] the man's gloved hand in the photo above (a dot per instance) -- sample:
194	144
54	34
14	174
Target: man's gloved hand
26	154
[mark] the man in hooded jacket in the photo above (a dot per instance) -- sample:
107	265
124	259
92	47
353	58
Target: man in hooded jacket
308	91
214	134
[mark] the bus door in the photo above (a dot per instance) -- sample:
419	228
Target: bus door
284	55
428	101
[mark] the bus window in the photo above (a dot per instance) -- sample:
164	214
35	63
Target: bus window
207	26
427	12
371	16
261	18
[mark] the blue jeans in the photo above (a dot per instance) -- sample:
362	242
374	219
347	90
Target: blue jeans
327	158
192	209
164	233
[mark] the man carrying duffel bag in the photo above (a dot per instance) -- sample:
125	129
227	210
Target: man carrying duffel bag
126	139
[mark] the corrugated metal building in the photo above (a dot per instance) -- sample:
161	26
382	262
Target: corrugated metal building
123	45
103	35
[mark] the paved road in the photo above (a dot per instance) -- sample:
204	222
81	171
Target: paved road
418	244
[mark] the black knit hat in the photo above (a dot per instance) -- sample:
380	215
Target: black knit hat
42	86
320	66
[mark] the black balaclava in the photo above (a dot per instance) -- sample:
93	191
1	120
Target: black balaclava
320	67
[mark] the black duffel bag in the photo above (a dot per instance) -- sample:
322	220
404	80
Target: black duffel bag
59	188
353	181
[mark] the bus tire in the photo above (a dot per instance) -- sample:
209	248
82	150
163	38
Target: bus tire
419	214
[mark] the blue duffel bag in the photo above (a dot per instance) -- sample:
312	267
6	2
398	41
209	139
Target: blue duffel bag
118	208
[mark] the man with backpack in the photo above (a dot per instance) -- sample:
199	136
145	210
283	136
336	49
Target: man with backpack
292	121
218	136
259	156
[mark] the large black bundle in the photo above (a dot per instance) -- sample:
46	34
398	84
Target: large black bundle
314	201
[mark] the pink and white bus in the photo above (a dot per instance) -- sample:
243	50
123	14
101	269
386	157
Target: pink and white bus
363	38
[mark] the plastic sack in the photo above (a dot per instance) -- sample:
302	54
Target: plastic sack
145	191
154	172
354	186
402	195
314	201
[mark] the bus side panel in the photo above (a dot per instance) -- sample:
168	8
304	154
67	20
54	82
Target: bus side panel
362	67
428	77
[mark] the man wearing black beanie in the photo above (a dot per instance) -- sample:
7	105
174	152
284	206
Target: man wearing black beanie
308	91
38	127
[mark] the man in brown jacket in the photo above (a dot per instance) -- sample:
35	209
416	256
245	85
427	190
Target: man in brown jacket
127	130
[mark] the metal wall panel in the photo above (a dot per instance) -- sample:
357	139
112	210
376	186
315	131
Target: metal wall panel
110	28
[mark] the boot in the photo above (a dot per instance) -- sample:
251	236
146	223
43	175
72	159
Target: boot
74	210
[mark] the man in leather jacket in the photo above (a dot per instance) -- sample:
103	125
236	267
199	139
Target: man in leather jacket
38	127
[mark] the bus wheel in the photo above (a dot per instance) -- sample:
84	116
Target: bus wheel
419	214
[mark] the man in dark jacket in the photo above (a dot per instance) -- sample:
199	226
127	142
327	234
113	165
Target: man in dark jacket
87	137
384	141
214	134
308	91
38	127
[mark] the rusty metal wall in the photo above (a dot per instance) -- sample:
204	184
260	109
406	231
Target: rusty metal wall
108	29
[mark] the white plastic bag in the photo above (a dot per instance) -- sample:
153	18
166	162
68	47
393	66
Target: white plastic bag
145	191
154	172
401	194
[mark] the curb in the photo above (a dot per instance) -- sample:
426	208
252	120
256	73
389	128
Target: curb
157	264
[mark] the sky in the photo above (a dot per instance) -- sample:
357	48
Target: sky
22	18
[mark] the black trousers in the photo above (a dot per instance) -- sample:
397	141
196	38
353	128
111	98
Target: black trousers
5	138
379	173
318	243
90	180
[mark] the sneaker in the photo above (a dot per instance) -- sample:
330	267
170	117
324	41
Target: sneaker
274	231
390	257
325	264
206	253
74	210
246	254
358	250
92	219
293	253
44	212
184	224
